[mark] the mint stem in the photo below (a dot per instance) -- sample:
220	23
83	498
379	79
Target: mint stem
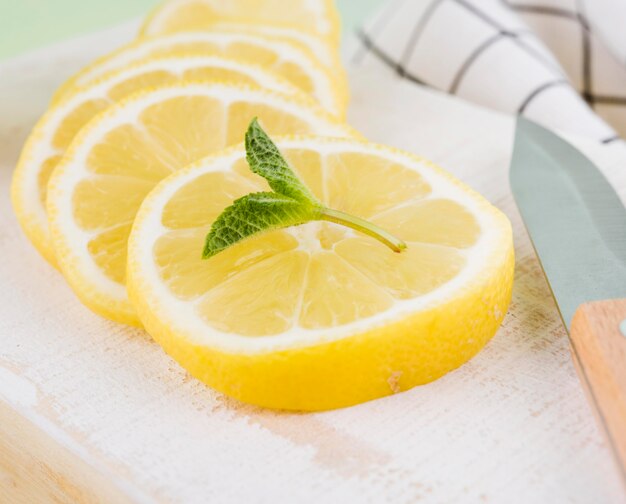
363	226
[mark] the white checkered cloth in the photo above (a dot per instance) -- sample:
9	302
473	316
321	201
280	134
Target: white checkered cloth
559	62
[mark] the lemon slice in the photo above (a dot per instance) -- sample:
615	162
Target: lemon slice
321	48
318	16
56	129
294	62
116	160
318	316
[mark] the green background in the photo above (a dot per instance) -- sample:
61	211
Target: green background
27	24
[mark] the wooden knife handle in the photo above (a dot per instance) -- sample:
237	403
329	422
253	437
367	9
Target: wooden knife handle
599	349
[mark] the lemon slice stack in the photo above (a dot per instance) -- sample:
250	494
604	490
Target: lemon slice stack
122	177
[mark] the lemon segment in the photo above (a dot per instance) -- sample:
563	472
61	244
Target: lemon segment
318	17
291	60
319	316
121	155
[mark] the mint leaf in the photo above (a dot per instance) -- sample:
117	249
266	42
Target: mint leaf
291	203
253	214
266	160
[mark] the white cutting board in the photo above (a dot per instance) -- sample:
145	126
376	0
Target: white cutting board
91	411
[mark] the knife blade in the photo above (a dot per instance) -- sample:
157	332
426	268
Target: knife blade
577	224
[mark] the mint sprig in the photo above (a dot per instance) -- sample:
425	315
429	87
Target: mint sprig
291	203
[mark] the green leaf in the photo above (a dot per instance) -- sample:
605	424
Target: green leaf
254	214
291	204
267	161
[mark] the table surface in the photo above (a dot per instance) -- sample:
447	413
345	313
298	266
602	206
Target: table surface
28	24
91	411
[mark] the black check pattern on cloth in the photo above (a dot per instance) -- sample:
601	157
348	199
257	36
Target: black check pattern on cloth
516	56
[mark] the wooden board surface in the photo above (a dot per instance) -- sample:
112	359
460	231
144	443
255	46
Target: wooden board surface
91	411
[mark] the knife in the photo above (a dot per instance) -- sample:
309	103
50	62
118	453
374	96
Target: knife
577	224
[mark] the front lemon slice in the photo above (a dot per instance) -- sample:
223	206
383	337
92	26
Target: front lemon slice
57	128
283	56
114	162
310	16
317	316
